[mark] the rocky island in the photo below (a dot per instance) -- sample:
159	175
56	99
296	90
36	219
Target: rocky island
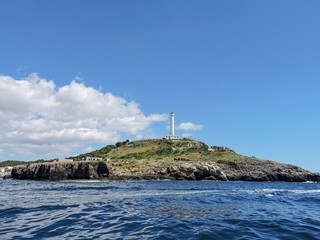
175	159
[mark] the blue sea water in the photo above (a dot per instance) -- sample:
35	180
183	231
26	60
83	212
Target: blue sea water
159	210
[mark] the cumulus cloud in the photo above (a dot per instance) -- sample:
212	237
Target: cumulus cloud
186	135
188	126
37	117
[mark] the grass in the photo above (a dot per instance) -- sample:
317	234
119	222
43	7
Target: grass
139	155
143	154
156	149
18	162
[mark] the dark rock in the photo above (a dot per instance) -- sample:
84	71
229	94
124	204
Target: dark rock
103	170
182	159
62	171
8	176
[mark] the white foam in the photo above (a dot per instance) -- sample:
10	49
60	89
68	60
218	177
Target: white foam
264	190
81	181
269	195
299	191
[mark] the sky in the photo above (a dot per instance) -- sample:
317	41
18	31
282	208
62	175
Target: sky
77	75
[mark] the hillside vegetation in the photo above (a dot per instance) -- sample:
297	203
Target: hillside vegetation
140	154
18	162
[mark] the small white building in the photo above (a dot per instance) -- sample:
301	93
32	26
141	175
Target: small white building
89	159
64	160
6	169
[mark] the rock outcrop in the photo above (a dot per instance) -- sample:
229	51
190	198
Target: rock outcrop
224	170
7	176
263	170
62	171
196	171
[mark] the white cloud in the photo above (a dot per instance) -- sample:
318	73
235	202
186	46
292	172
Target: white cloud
188	126
186	135
36	117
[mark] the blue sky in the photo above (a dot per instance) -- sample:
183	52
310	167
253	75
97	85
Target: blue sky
244	74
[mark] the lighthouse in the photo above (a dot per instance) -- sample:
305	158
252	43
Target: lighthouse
171	124
172	136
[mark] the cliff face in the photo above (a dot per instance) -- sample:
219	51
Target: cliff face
62	171
221	171
269	171
181	171
264	170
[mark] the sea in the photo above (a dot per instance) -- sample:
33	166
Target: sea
158	210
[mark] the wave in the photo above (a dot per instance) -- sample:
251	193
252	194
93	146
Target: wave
297	191
158	210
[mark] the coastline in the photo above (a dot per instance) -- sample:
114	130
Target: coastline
101	171
164	159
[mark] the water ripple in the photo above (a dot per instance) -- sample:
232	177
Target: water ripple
158	210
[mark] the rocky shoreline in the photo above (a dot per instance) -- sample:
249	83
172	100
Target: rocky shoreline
221	171
210	171
62	171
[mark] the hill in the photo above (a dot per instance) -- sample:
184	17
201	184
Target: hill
190	159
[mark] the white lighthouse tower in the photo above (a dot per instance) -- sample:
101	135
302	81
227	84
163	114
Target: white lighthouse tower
171	124
172	136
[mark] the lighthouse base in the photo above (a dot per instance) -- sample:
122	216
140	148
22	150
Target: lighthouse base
172	137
